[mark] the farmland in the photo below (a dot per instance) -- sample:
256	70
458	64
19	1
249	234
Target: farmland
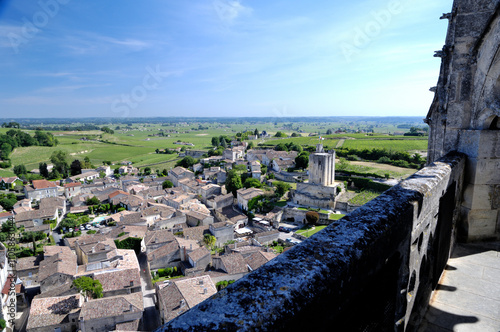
138	142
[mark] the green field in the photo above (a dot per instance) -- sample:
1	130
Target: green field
137	142
388	144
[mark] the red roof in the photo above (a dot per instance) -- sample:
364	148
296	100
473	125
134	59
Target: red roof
116	193
5	214
10	180
72	184
6	287
43	184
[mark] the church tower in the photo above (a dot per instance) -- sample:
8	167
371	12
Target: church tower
322	167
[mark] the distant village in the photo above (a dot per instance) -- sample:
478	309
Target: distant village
157	245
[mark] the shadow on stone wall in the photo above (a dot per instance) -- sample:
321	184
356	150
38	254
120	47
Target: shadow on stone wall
373	270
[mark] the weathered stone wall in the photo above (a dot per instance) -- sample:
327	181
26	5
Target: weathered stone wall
315	195
375	267
322	167
466	108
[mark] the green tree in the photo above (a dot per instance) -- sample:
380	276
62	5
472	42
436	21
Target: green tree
75	167
302	160
6	150
92	201
167	184
209	240
20	169
281	147
186	162
88	287
312	217
252	183
256	132
281	188
215	141
59	159
233	182
147	171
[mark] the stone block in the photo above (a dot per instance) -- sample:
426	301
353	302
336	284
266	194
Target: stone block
482	224
471	25
489	145
482	195
455	117
469	142
473	6
483	171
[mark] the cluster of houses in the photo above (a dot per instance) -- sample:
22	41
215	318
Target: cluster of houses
172	226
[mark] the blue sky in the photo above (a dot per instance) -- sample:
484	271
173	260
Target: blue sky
68	58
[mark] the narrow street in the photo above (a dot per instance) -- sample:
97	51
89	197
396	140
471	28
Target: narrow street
151	318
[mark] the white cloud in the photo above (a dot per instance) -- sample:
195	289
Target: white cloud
228	11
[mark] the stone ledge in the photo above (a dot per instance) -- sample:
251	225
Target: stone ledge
315	283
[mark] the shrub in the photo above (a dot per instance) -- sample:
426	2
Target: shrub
312	217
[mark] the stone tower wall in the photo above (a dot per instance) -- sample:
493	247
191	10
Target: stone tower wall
464	115
322	168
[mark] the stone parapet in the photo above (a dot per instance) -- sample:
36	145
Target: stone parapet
375	267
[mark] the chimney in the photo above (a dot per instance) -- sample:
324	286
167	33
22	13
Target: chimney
183	303
191	246
131	283
131	308
201	281
205	291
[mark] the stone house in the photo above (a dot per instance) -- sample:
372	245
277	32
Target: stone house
132	219
172	222
178	173
234	153
233	264
156	212
221	201
57	270
9	182
259	258
72	189
190	186
267	237
155	239
171	254
194	218
223	232
93	248
270	155
27	269
221	177
168	255
85	177
106	169
4	216
119	282
40	189
35	218
200	258
209	191
106	313
180	295
279	164
245	195
196	233
55	314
